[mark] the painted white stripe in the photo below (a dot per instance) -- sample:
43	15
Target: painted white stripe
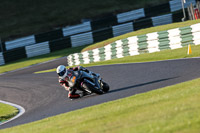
86	57
195	27
153	44
133	45
96	55
108	52
76	59
119	49
196	38
174	38
21	111
152	36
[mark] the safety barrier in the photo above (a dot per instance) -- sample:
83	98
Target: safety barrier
122	29
37	49
1	59
71	30
20	42
148	43
82	39
14	54
131	15
161	20
176	5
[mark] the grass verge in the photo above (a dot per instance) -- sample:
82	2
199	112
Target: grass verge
170	109
7	112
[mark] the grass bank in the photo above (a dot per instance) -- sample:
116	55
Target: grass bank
7	112
170	109
27	17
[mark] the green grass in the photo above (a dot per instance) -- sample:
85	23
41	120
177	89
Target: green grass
142	32
170	109
26	17
7	112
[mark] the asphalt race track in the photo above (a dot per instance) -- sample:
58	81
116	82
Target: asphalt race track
42	96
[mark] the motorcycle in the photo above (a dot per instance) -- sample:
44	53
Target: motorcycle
88	82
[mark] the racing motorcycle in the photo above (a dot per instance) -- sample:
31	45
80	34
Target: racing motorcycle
88	82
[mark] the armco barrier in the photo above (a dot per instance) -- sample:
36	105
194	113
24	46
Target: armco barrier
59	44
161	20
82	39
157	10
71	30
1	59
122	29
104	22
176	5
37	49
131	15
48	36
14	54
149	43
20	42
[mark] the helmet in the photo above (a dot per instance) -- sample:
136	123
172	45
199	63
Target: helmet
61	70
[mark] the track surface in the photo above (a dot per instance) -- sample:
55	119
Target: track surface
42	96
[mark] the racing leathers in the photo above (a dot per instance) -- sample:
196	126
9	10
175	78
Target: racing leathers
63	82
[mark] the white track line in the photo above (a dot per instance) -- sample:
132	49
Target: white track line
21	111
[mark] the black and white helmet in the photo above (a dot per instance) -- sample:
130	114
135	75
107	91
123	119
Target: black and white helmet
61	71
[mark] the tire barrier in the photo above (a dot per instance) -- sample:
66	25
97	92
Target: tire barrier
135	45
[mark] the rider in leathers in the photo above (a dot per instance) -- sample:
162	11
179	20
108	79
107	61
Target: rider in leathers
63	75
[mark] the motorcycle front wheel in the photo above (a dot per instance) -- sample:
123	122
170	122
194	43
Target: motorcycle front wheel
106	87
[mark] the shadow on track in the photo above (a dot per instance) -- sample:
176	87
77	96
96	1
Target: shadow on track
139	85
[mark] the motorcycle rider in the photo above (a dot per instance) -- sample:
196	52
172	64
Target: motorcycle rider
63	74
